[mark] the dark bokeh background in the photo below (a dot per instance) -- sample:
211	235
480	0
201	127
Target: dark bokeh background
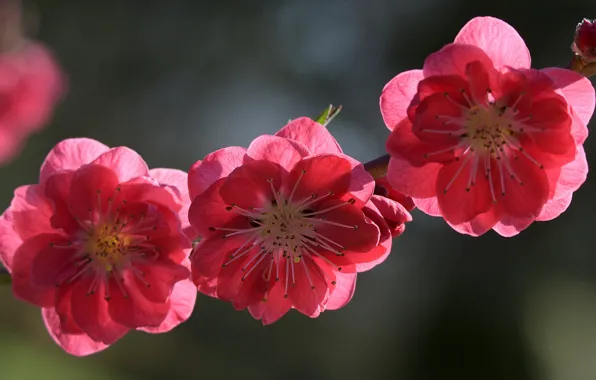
175	80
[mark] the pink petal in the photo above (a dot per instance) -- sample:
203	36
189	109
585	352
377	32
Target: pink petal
362	184
397	96
251	185
522	202
453	60
312	134
380	253
74	344
22	286
577	89
459	202
55	263
309	288
31	212
277	149
274	308
429	206
511	226
554	207
211	253
208	210
343	292
132	309
90	189
391	209
241	289
216	165
71	154
416	182
405	142
57	188
499	40
176	182
182	303
319	175
9	239
481	224
361	236
572	175
161	275
125	162
567	180
90	312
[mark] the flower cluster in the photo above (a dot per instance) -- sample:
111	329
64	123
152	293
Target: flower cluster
102	244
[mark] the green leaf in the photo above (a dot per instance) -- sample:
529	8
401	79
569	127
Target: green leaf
328	115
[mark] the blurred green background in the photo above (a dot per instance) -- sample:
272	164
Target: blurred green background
175	80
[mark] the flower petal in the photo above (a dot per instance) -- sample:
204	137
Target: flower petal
209	210
282	151
214	166
251	185
319	175
362	183
307	288
511	226
453	59
177	181
577	89
159	278
22	286
499	40
130	308
312	134
74	344
275	307
459	201
397	96
31	212
481	224
416	182
9	240
182	303
429	206
90	312
90	190
342	293
71	154
357	233
125	162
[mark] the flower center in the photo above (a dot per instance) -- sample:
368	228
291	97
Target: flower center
110	241
488	139
107	247
284	233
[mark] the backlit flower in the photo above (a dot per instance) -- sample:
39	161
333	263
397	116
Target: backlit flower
287	223
30	85
483	140
584	43
98	244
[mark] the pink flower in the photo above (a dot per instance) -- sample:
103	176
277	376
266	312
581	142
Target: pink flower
30	85
394	206
98	244
584	43
286	223
483	140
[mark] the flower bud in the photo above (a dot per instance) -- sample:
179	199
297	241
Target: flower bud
584	43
